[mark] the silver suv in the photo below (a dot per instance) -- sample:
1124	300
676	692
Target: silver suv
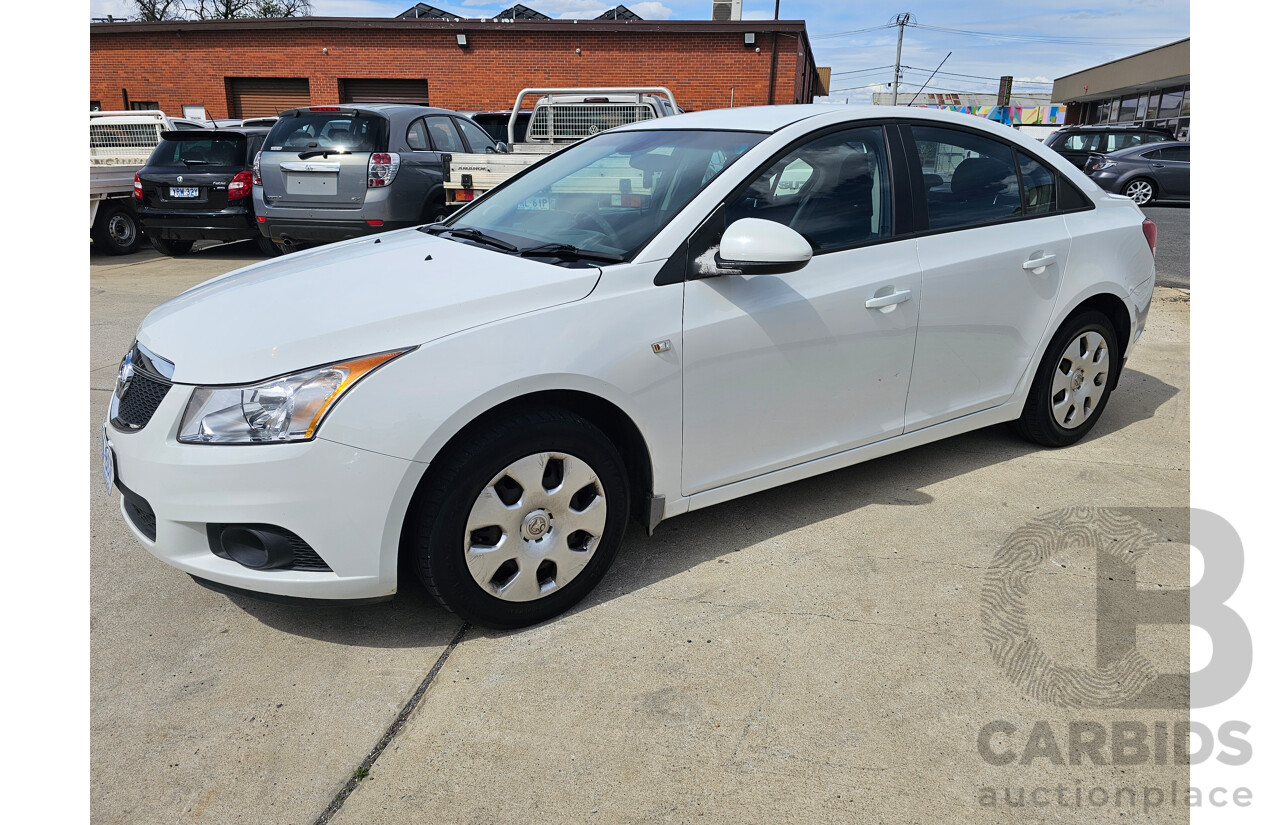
329	173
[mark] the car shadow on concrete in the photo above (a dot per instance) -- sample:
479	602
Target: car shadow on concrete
414	618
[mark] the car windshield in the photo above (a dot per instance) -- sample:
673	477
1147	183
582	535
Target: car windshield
220	151
609	194
339	131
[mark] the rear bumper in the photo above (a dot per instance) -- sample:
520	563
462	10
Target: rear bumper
227	225
324	231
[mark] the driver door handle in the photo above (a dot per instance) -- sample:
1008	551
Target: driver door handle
1041	262
889	300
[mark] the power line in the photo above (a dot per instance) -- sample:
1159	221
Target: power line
860	71
854	31
983	77
1039	38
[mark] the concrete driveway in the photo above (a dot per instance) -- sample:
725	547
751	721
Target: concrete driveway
828	651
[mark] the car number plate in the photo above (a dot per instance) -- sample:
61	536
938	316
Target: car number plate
311	183
541	204
108	461
184	191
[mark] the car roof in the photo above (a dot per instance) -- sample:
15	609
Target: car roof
185	134
1147	147
381	108
1114	128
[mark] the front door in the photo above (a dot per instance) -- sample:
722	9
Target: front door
782	369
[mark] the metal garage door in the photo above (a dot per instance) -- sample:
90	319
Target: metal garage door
263	96
373	90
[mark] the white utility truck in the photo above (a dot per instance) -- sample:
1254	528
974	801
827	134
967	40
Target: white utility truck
560	117
119	145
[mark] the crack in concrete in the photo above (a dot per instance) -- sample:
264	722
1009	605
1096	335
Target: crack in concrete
393	730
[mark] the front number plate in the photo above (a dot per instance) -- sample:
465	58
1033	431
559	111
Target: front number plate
108	461
184	191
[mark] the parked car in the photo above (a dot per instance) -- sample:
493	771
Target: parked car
119	145
198	185
329	173
1145	173
491	399
1076	143
495	124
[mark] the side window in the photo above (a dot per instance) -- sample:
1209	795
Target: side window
1154	154
970	179
834	190
1122	140
1082	142
478	138
1039	188
1177	154
417	136
444	137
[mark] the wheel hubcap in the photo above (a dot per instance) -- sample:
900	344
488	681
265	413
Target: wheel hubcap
535	526
1140	191
120	229
1080	380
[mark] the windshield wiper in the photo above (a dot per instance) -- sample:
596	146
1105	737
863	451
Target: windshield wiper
322	152
564	250
470	234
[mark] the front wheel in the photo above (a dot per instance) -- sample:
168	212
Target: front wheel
1074	382
523	520
1141	191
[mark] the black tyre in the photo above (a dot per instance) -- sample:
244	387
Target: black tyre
268	247
1141	191
1074	382
174	249
523	519
116	229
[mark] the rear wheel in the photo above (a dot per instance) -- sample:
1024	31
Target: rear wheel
1074	382
268	247
522	521
173	249
116	229
1141	191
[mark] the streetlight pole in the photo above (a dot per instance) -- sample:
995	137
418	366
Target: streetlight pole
901	21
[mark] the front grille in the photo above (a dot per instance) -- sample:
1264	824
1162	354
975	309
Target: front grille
140	401
138	510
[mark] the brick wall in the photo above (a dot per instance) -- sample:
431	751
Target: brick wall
190	67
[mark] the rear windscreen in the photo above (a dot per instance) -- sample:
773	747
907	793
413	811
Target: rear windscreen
328	130
213	151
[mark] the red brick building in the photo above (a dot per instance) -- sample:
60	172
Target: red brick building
242	68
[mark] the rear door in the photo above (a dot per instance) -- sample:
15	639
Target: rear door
190	171
319	157
1172	170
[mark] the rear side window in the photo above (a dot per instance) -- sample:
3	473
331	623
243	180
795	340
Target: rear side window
1039	187
328	130
969	179
1083	142
1177	154
444	136
478	138
222	151
1121	140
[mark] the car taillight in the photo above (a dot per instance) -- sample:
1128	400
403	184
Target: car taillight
257	169
466	194
137	186
382	168
1149	229
241	185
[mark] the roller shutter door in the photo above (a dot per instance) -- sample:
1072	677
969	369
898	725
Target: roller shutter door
373	90
263	96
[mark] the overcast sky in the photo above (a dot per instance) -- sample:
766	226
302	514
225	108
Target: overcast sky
1033	40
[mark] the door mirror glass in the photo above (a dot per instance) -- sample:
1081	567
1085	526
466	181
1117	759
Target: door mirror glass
500	148
753	246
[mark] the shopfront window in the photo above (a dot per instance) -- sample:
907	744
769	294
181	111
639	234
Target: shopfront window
1128	109
1171	104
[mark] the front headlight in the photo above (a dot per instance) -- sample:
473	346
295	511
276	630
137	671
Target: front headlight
288	408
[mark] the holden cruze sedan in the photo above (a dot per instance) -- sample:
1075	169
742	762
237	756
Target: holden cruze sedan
657	319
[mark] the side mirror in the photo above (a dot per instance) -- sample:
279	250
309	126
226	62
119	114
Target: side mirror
757	247
501	148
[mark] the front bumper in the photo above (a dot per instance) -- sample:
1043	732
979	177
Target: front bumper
303	230
347	504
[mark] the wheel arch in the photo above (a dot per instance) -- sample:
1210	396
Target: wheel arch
1112	306
611	419
1155	187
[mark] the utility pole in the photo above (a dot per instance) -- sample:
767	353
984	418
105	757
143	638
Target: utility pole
901	22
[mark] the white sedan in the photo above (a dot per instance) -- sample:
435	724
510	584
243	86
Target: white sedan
657	319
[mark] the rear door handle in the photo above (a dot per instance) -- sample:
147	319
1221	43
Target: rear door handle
889	300
1039	263
1157	165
